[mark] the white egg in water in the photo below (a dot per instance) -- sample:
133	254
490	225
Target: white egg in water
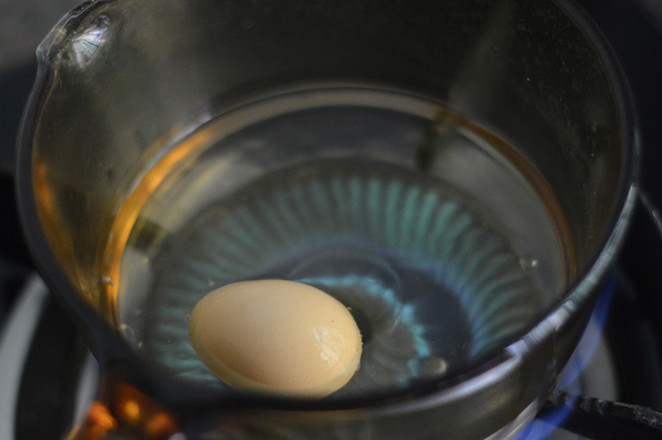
276	336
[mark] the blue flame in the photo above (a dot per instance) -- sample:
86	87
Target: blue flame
592	334
544	425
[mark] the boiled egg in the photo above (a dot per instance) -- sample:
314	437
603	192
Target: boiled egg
276	336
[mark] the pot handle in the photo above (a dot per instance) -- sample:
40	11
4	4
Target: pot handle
601	419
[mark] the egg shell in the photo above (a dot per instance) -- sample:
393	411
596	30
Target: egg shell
276	336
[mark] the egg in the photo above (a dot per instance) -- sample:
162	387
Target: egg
276	336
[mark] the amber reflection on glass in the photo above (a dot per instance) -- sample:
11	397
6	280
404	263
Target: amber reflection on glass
129	411
97	423
48	211
125	412
446	118
128	214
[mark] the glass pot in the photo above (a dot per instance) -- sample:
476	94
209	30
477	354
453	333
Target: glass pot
186	103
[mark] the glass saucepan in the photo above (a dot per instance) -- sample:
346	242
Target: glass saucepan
457	173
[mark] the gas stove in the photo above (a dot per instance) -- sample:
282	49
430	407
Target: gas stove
611	388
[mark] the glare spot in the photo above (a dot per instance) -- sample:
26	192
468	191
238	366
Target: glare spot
86	46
